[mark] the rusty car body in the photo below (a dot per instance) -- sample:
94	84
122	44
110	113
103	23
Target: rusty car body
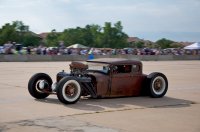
99	78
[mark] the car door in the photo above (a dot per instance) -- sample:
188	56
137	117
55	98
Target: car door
126	81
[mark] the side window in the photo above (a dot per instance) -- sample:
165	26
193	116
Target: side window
122	69
106	69
135	68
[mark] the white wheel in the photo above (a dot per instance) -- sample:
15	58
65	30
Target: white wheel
69	90
158	84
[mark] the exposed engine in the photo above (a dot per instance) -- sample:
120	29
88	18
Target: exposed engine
80	72
78	69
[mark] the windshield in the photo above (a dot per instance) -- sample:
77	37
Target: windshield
99	67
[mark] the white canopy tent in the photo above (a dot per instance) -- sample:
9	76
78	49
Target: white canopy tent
77	46
194	46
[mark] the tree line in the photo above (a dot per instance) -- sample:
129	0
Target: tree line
19	33
93	35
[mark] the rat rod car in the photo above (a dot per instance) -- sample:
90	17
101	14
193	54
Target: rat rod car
99	78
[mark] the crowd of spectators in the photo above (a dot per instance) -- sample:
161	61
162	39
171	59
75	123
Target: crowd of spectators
13	48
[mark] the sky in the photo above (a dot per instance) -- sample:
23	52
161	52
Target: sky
178	20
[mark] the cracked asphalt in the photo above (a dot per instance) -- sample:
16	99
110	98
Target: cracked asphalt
178	111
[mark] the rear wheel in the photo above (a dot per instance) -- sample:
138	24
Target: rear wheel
158	84
68	90
38	83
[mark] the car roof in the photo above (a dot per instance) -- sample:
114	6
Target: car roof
114	61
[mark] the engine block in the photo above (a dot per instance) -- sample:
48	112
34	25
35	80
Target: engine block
78	69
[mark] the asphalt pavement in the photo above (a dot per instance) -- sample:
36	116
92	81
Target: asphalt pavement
178	111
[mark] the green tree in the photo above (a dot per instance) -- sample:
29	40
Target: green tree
52	38
139	44
20	27
22	31
30	39
164	43
114	37
72	36
19	33
107	35
8	33
86	36
92	36
177	45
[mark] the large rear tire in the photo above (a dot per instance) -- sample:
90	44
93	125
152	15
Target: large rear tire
34	82
158	84
68	90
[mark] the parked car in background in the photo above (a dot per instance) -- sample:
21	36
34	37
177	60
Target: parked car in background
2	50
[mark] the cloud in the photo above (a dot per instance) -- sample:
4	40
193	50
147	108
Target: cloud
136	15
148	16
17	4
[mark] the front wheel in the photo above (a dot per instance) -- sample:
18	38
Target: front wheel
158	84
68	90
38	83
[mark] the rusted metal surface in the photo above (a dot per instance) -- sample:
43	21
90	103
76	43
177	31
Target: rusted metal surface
116	84
102	84
78	65
125	77
114	61
102	78
105	78
126	85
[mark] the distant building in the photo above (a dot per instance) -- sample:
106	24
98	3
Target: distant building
134	40
44	35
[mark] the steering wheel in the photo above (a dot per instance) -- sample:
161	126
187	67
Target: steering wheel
115	70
